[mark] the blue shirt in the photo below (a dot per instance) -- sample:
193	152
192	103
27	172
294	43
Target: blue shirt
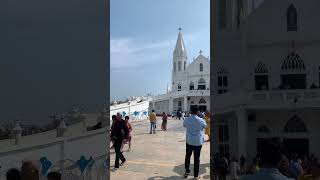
266	174
195	126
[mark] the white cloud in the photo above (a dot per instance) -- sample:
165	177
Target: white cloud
131	52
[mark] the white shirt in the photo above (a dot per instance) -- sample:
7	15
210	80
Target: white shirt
234	168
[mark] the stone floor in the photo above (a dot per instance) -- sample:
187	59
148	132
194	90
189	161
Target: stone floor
158	156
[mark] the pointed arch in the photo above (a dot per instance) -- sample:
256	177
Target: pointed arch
222	70
293	62
202	101
191	85
179	87
295	125
292	18
201	84
201	67
261	68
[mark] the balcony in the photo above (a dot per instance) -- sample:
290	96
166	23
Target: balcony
179	94
272	99
286	95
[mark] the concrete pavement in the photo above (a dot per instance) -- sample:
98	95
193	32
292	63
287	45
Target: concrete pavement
158	156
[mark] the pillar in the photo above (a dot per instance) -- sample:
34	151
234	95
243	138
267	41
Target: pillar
242	131
170	105
185	100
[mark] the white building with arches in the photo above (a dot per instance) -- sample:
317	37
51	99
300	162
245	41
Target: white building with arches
265	76
190	83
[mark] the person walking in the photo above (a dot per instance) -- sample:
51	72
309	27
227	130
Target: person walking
242	164
126	120
234	169
114	117
153	119
119	133
194	141
207	119
164	121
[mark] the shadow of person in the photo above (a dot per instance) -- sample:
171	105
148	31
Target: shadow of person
180	170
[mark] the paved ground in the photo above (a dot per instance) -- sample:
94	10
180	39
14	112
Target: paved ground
158	156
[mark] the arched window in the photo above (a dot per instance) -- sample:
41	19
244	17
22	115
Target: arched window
292	18
261	77
179	87
179	66
201	84
174	67
263	129
295	125
201	67
191	85
293	72
184	66
202	101
222	80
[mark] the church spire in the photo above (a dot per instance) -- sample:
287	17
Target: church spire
180	50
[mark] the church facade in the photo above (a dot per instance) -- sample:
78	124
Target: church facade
190	83
265	76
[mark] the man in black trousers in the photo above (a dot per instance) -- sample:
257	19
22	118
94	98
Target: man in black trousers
119	133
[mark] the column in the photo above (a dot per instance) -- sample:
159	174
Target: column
170	105
185	100
153	104
242	131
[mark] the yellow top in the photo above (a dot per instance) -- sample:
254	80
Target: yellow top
207	130
153	117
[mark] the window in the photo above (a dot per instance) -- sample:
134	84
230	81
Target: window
201	84
184	66
179	87
179	66
293	72
222	81
179	103
261	77
292	18
201	67
295	125
174	66
191	86
202	101
222	14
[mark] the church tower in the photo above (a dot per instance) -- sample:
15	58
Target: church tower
179	64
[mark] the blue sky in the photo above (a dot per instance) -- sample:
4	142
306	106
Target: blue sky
143	36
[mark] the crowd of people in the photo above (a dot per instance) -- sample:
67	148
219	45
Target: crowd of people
196	122
30	171
270	164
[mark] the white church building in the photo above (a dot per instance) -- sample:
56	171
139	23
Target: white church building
265	76
190	83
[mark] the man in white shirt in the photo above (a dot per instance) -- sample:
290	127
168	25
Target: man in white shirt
234	169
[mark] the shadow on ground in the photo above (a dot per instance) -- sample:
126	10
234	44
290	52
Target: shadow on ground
180	171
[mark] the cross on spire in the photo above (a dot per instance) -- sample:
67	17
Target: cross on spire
200	52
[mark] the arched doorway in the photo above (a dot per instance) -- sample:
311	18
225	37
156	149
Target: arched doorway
295	138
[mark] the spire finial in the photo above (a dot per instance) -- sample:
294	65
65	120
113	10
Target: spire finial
180	28
200	52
